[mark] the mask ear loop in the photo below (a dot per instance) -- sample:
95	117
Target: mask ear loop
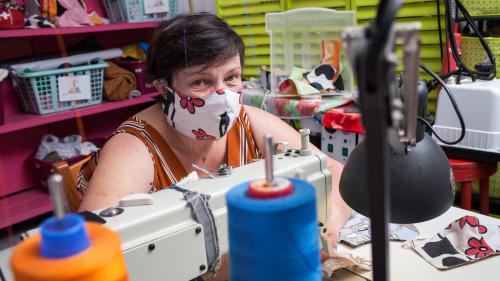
164	84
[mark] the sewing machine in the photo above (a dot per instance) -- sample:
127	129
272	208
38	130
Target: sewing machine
163	240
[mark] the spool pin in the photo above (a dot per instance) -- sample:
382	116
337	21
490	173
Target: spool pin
270	187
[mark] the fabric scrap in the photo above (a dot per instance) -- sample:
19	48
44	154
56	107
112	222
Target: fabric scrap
463	241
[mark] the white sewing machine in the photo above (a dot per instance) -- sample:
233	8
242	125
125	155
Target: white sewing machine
163	240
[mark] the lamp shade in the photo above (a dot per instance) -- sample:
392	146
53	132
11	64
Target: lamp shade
420	186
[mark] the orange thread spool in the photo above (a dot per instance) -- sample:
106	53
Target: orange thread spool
261	188
103	260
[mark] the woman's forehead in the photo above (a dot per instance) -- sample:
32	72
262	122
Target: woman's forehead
222	66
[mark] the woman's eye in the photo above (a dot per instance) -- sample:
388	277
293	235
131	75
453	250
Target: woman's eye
232	78
199	83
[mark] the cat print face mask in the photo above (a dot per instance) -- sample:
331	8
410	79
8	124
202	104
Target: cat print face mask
207	118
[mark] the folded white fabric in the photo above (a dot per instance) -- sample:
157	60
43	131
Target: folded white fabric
463	241
357	231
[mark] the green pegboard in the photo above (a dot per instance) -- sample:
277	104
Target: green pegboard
473	52
482	7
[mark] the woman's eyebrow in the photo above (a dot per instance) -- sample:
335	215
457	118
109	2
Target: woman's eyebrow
237	68
194	72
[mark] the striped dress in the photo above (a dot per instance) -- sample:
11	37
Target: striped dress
241	150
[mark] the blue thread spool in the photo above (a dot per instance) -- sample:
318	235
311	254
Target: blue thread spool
273	238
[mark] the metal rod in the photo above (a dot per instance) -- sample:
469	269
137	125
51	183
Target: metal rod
268	141
57	195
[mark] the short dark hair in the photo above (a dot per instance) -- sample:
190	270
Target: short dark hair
189	40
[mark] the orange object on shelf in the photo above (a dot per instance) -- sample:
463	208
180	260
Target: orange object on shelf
103	260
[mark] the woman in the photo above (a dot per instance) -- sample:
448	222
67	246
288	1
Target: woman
195	61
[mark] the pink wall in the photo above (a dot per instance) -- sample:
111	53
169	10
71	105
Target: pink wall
16	148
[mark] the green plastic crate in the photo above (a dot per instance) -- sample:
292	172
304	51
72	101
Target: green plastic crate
247	18
331	4
249	9
428	22
422	9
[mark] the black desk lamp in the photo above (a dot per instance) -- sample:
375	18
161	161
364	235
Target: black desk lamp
397	173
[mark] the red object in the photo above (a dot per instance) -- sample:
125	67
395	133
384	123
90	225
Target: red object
261	190
466	172
3	91
448	55
338	119
138	67
11	19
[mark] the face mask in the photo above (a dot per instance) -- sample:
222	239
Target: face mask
207	118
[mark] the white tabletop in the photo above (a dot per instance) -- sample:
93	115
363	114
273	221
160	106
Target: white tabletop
406	264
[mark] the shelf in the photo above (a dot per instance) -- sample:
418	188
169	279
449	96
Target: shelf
24	205
75	30
487	17
28	120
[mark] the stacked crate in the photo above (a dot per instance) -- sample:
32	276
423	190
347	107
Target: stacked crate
423	11
247	18
331	4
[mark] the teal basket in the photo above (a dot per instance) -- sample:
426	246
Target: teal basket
133	11
38	91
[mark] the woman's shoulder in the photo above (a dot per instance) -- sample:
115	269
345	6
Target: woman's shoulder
259	117
130	142
253	112
153	119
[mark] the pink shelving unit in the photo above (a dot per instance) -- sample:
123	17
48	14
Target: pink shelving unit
20	121
75	30
21	195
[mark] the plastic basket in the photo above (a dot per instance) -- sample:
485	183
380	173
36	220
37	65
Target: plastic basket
473	52
301	47
38	91
133	11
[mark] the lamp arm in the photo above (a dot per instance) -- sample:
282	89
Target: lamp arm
375	91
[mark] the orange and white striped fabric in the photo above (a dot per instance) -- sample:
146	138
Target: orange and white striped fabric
241	150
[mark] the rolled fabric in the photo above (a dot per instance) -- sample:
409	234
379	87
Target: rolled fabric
118	82
72	60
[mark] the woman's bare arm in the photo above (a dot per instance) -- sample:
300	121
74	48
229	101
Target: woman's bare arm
125	167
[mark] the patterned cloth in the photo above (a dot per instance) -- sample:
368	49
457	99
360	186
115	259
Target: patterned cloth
463	241
241	150
357	231
291	107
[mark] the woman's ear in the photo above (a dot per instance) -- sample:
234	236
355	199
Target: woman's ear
161	86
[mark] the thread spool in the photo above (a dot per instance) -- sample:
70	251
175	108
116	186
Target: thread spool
273	238
262	189
304	142
69	249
